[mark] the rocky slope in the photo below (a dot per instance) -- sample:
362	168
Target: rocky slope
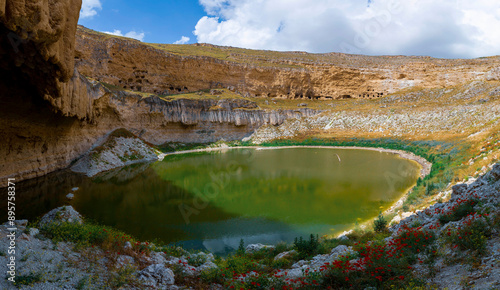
465	112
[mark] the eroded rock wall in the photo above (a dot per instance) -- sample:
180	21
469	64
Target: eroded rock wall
165	69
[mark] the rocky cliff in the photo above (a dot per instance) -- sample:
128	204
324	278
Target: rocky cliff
172	69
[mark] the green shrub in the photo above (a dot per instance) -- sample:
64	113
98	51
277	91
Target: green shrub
306	248
196	260
229	267
28	279
380	223
460	211
473	236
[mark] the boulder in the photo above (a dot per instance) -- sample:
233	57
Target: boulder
252	248
127	246
207	266
158	258
340	250
156	275
285	255
70	196
124	260
61	214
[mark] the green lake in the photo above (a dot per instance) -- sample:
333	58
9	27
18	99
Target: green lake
211	200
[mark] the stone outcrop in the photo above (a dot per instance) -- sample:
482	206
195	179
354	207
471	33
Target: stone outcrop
120	149
61	214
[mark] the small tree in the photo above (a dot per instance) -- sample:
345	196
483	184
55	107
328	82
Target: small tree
380	223
241	248
306	248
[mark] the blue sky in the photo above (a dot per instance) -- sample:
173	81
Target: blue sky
446	28
161	21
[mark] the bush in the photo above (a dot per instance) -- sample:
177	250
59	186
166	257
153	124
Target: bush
464	208
28	279
306	248
228	268
473	236
380	224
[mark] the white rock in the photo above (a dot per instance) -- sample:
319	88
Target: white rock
156	275
341	250
33	232
124	260
285	255
256	247
70	196
61	214
208	265
158	258
127	246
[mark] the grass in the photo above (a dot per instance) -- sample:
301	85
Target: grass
87	235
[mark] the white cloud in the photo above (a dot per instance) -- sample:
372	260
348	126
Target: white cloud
89	8
131	34
183	40
448	28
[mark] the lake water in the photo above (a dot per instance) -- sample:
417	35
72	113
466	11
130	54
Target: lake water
211	200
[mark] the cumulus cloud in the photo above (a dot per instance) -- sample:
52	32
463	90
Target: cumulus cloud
89	8
183	40
448	28
131	34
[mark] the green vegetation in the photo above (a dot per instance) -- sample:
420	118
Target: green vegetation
380	223
87	234
306	248
241	248
464	208
472	236
178	146
28	279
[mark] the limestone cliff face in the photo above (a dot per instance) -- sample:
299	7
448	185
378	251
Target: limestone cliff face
169	69
38	43
205	120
